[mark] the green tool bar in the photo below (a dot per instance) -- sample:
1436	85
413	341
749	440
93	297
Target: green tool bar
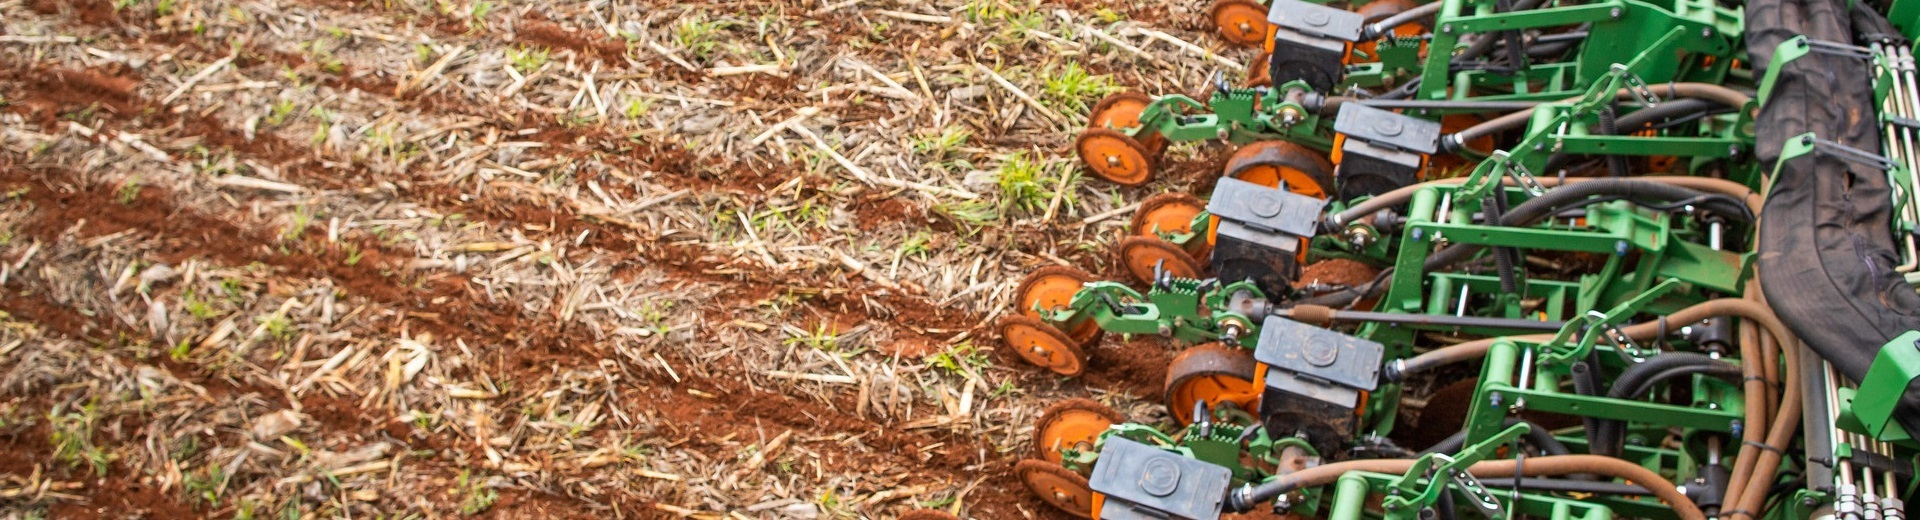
1532	18
1631	145
1561	239
1429	320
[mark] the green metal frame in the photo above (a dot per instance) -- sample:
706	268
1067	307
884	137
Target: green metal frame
1185	309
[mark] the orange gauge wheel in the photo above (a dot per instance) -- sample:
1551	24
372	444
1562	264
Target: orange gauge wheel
1115	156
1073	423
1240	22
1040	344
1051	288
1057	486
1269	163
1142	254
928	514
1257	70
1213	373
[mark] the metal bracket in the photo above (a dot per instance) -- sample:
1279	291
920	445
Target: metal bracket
1594	324
1418	488
1799	47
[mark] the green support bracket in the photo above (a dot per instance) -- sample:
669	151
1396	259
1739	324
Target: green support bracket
1422	485
1905	15
1894	372
1558	352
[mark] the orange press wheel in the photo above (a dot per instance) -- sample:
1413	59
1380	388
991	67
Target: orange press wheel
1052	287
1115	156
1141	254
1170	213
1257	70
1240	22
1213	373
928	514
1074	423
1042	345
1057	486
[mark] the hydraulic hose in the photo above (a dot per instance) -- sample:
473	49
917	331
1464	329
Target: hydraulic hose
1706	91
1752	493
1485	43
1245	499
1376	29
1476	349
1539	437
1537	208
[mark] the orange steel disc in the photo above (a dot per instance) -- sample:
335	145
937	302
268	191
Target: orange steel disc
1058	487
1118	111
1141	254
1074	423
1115	156
1213	373
1040	344
1050	288
1257	70
1169	213
1240	22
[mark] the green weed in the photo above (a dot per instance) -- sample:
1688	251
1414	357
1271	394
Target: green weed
527	60
205	483
1021	183
302	219
941	144
974	213
73	439
699	36
1073	89
475	497
960	359
919	244
282	110
129	191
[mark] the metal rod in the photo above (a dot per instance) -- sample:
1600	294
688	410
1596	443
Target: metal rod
1436	320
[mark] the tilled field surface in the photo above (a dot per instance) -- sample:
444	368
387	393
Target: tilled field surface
412	258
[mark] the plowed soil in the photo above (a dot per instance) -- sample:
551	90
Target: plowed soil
333	258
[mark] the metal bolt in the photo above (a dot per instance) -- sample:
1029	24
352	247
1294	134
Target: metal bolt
1448	28
1614	13
1113	160
1620	248
1706	32
1418	233
1494	400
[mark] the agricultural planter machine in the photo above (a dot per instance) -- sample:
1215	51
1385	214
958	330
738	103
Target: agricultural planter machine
1635	259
